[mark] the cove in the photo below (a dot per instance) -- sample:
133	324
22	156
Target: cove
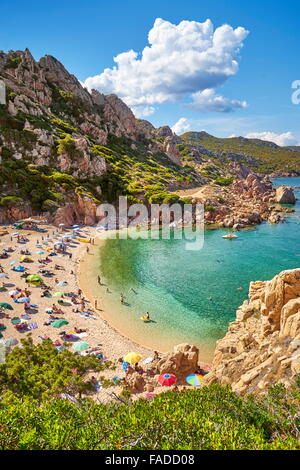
193	295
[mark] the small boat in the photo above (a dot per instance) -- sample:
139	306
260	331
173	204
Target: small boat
230	236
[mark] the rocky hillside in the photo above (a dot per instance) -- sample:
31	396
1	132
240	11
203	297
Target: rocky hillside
262	347
63	150
261	156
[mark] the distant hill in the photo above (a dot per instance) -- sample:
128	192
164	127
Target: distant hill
262	156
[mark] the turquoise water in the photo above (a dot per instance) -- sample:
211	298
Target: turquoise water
193	295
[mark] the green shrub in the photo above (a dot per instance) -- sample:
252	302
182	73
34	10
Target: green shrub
223	181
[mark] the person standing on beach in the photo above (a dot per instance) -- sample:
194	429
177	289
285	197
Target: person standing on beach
87	249
122	298
96	304
99	280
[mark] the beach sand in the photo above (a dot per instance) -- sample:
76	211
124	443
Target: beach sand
100	333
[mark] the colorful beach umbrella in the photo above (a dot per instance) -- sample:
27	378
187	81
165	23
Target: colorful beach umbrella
14	292
195	379
23	300
167	379
59	323
57	294
19	269
40	252
81	346
26	258
132	357
34	278
62	284
6	306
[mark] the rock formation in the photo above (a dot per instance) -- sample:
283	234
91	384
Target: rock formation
262	346
285	195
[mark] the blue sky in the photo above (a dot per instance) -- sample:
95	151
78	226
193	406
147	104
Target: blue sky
85	36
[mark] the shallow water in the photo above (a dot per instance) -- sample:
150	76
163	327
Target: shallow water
193	295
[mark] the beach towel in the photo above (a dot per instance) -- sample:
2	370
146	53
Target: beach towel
80	335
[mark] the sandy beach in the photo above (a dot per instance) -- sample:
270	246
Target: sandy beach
75	269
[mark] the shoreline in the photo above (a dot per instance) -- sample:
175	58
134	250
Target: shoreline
87	281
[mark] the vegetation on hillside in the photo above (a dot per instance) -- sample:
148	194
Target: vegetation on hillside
262	157
32	417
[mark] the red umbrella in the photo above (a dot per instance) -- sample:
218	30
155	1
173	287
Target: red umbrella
167	379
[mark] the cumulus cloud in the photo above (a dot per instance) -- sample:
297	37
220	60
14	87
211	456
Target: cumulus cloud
207	101
181	126
141	110
180	62
282	140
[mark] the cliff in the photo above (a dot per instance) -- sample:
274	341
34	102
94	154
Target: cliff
262	347
64	150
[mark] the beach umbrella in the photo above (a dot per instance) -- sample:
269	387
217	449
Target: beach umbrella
15	234
125	365
132	357
14	292
40	252
3	275
6	306
19	269
16	321
75	226
12	263
62	284
34	278
26	258
81	346
57	294
23	300
59	323
194	379
167	379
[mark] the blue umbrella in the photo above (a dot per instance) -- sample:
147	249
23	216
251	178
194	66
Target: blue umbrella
23	300
19	268
125	365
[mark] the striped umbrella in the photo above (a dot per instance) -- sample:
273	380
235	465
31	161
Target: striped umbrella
167	379
195	379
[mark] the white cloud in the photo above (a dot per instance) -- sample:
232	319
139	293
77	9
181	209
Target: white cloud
282	140
180	61
140	110
181	126
207	101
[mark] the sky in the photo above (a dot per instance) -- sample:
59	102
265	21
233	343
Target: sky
226	67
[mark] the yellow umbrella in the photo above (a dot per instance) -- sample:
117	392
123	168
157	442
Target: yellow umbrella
132	357
26	258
